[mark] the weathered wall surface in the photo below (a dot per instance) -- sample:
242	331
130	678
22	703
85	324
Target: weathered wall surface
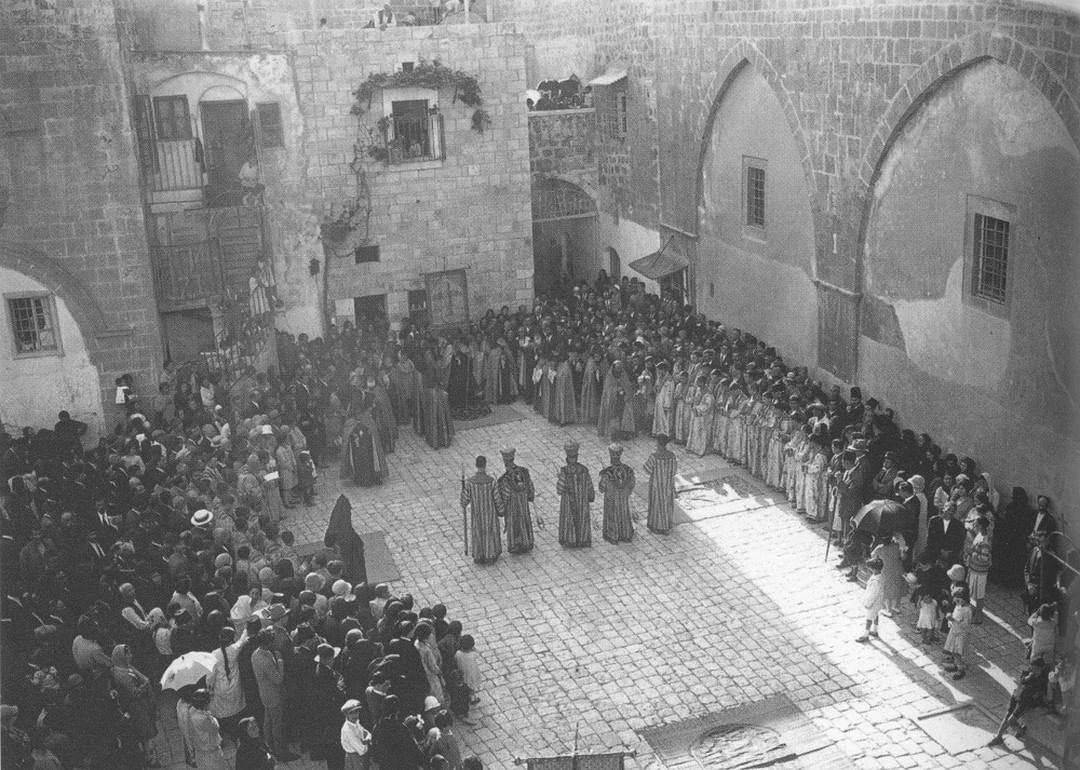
470	211
562	144
986	135
778	260
888	310
73	217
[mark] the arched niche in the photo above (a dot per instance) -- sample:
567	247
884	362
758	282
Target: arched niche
997	380
752	277
33	388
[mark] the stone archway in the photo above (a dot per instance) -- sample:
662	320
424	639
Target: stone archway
565	233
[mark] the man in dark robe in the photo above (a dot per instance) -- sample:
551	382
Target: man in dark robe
461	373
341	535
514	492
362	458
576	492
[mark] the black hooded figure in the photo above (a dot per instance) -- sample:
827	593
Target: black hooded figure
341	535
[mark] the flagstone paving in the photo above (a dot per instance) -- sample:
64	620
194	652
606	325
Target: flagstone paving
725	611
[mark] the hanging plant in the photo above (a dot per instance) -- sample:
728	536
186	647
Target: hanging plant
335	229
433	75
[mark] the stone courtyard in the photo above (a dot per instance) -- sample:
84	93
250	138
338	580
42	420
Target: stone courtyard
735	607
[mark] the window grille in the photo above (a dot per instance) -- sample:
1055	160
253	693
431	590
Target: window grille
33	325
755	196
990	258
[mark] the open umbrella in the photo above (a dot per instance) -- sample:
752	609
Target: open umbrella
878	516
186	670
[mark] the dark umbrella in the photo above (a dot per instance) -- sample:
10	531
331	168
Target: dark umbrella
878	516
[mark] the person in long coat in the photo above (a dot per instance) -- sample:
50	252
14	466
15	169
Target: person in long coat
135	696
324	696
286	464
701	414
616	418
616	485
205	734
384	413
591	388
661	467
362	458
341	535
405	383
478	491
513	493
576	492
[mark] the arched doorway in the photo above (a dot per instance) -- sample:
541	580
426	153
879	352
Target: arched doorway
565	234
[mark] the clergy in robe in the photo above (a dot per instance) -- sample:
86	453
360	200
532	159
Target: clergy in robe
526	362
437	424
362	458
616	418
697	441
404	384
664	415
341	536
576	492
661	467
383	412
514	492
616	484
591	387
478	493
565	407
461	377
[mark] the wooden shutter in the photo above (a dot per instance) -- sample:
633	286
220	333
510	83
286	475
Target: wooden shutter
144	134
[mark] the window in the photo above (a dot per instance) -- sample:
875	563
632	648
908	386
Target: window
988	244
418	308
620	114
173	118
414	132
33	324
990	258
271	132
755	197
366	254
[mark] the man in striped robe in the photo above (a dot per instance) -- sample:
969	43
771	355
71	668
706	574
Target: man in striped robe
576	491
479	492
616	484
513	494
661	467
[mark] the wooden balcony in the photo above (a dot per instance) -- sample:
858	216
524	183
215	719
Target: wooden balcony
187	276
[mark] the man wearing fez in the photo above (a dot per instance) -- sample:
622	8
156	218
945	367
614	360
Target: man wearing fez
513	494
576	491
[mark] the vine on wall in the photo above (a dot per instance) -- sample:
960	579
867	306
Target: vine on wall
426	74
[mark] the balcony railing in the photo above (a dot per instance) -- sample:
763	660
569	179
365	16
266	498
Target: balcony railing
177	166
187	276
414	139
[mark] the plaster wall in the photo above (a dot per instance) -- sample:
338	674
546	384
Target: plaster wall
1005	384
778	261
33	390
632	241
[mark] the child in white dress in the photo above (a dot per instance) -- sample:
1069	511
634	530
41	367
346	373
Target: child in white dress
928	616
873	599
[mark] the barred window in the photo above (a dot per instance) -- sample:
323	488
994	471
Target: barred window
755	197
990	258
33	324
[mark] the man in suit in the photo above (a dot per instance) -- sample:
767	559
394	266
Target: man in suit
908	523
945	536
1040	574
1043	520
268	666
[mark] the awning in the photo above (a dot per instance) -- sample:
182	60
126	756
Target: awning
612	75
660	264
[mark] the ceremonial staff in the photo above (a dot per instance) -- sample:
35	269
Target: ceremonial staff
464	515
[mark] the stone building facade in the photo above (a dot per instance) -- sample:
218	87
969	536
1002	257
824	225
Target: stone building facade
74	271
890	145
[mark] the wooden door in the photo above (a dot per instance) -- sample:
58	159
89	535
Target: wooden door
228	143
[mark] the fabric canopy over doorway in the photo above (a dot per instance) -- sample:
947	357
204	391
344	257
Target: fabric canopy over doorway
660	264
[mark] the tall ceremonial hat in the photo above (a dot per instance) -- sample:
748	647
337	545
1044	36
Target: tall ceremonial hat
571	448
508	453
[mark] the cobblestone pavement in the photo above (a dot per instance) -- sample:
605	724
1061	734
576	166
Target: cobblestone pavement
722	612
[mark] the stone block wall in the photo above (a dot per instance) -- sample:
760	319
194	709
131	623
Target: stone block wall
471	210
562	143
73	220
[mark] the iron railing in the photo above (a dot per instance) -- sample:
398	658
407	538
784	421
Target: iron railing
189	274
413	139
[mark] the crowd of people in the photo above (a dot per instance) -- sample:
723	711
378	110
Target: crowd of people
170	536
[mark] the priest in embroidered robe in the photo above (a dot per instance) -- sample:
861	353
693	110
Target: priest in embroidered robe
616	485
616	418
479	494
362	458
661	467
513	494
576	492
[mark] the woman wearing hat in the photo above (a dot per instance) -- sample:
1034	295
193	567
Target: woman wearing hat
252	753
